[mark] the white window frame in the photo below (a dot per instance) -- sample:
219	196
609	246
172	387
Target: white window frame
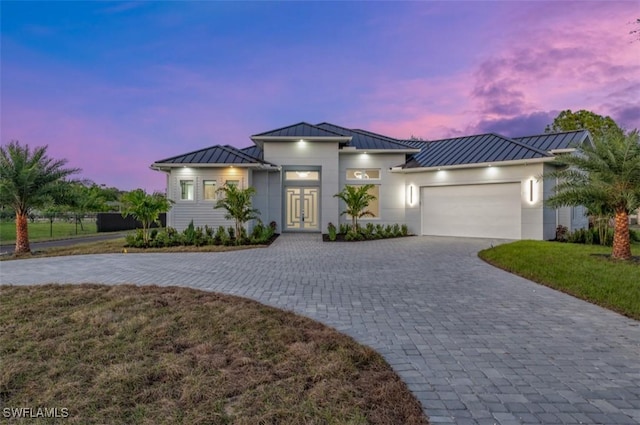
215	192
363	173
193	189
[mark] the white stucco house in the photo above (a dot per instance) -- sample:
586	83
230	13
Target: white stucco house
484	185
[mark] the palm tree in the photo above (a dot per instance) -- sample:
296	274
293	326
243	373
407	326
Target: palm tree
606	175
144	208
357	199
28	179
237	202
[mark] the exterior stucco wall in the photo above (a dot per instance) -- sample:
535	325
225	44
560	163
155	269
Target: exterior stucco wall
392	185
199	210
314	154
532	211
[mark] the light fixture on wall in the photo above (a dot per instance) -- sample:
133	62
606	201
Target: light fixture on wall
531	190
412	196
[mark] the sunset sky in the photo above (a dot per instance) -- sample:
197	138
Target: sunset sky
115	86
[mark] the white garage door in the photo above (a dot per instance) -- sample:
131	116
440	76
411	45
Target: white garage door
481	211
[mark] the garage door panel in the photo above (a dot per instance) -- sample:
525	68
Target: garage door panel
484	210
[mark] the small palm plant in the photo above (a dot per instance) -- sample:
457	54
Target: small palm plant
357	199
144	208
237	202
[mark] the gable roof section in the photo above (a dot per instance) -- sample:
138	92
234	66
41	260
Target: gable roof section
225	155
365	140
478	149
301	130
555	141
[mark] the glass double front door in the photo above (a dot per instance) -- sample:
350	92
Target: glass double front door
301	208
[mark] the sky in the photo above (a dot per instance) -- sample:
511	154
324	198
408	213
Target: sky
114	86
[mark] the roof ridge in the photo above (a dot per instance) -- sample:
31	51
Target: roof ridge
294	125
383	137
190	153
531	148
552	134
508	139
369	134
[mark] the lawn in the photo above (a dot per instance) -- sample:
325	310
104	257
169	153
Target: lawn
152	355
41	230
583	271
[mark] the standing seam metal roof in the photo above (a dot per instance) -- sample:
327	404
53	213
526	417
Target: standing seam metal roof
552	141
481	148
214	155
364	140
301	130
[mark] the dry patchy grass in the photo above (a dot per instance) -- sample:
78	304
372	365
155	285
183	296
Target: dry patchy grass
158	355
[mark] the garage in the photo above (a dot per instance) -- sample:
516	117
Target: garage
479	210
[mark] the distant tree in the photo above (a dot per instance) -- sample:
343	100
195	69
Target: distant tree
604	176
145	208
86	197
597	125
357	199
237	202
636	32
28	179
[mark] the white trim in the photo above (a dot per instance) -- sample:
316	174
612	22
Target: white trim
298	138
475	165
564	150
353	150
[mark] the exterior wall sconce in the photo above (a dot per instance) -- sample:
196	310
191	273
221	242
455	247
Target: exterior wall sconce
412	195
531	191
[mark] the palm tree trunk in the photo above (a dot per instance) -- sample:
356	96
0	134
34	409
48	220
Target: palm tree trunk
621	241
22	234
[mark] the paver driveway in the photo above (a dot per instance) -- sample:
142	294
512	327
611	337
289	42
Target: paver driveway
475	344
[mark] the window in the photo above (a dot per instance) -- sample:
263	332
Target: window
209	188
363	174
302	175
186	190
374	205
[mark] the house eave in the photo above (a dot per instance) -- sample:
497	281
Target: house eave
560	151
353	151
168	166
298	138
475	165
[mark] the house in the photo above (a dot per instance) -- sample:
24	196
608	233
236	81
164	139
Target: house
484	185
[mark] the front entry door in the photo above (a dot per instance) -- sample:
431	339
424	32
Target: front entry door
301	206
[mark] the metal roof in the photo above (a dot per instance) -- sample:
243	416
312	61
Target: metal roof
553	141
365	139
414	143
213	155
254	151
478	149
301	130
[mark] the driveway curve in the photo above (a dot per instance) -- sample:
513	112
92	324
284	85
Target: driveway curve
475	344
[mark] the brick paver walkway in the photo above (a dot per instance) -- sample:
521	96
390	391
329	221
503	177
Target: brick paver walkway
475	344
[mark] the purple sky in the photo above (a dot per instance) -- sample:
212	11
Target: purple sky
115	86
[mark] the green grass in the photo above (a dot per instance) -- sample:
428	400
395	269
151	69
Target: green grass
41	231
583	271
151	355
